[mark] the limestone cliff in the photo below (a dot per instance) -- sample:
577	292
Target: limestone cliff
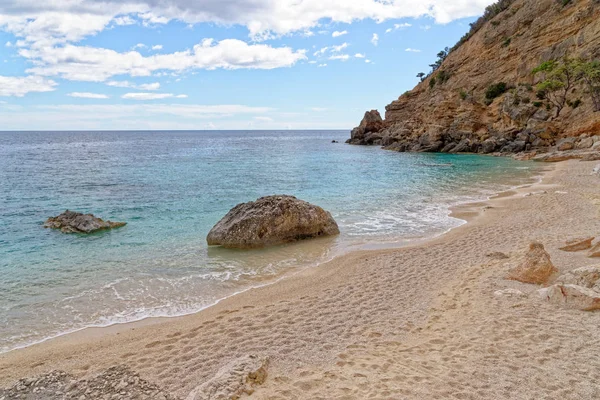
453	113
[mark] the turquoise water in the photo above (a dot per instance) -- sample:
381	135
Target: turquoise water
171	188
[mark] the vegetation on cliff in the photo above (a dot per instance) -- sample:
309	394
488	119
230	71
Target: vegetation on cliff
526	75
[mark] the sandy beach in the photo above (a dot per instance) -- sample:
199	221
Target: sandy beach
420	322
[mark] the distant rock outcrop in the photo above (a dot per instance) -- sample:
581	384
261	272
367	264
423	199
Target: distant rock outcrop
482	96
536	267
74	222
366	132
269	221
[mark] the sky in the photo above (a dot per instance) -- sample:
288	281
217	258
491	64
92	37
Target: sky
215	64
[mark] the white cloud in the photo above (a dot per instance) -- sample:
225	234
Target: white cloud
82	63
72	20
86	95
375	39
322	65
368	61
157	47
123	21
312	62
8	44
411	50
337	49
139	46
151	96
359	55
131	85
149	86
342	57
263	119
19	86
398	26
339	33
321	51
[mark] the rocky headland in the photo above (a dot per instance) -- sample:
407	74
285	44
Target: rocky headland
524	80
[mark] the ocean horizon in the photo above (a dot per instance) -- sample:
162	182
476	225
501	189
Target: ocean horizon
171	187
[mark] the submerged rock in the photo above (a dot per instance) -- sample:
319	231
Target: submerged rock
269	221
536	268
74	222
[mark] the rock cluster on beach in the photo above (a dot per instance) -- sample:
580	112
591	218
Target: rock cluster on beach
74	222
270	221
577	289
115	383
450	110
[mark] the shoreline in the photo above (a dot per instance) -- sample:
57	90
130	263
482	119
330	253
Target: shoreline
364	307
117	327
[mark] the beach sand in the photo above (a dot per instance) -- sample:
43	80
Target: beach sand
420	322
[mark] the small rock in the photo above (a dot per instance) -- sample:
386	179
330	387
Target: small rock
497	255
578	244
585	143
536	266
509	293
566	144
572	296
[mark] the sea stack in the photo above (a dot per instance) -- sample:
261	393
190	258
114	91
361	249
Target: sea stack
269	221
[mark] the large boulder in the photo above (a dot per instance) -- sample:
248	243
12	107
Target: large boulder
74	222
536	266
269	221
572	296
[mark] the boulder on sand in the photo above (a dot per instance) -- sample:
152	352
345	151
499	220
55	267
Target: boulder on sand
578	244
536	267
269	221
572	296
74	222
588	277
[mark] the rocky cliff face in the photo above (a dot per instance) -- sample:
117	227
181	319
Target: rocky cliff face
453	114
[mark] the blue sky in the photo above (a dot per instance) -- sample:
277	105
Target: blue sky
215	64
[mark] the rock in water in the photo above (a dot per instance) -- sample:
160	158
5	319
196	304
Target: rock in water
536	267
269	221
74	222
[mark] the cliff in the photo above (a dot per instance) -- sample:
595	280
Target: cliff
484	97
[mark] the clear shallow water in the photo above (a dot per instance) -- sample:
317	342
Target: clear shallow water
171	188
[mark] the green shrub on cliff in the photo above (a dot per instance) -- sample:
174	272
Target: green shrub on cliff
495	90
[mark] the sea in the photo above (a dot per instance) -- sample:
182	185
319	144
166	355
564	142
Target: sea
171	187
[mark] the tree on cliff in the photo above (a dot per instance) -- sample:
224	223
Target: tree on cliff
559	79
590	74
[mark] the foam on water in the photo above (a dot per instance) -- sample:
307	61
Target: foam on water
171	188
